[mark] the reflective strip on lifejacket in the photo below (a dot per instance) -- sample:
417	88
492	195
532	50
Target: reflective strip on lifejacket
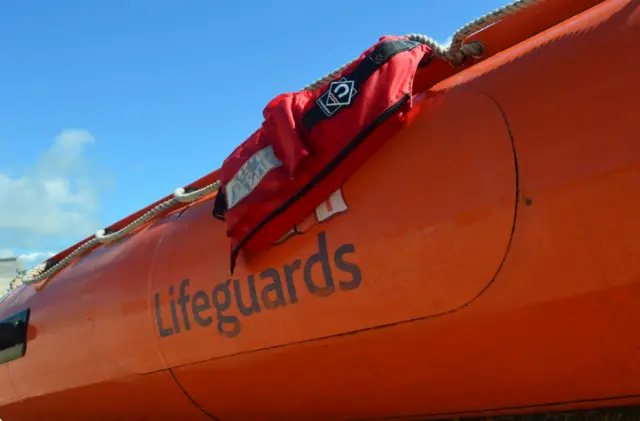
250	174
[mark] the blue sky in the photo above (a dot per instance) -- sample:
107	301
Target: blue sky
106	106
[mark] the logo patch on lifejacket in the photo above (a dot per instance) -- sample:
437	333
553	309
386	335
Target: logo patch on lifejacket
339	94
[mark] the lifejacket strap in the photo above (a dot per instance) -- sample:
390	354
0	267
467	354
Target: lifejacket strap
354	80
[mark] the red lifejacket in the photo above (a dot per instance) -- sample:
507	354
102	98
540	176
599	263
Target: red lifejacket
311	141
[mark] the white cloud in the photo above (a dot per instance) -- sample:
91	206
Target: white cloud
52	204
28	259
36	257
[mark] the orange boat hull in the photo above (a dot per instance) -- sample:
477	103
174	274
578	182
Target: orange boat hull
488	262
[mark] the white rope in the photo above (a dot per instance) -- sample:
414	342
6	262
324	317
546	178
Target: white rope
455	53
38	273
